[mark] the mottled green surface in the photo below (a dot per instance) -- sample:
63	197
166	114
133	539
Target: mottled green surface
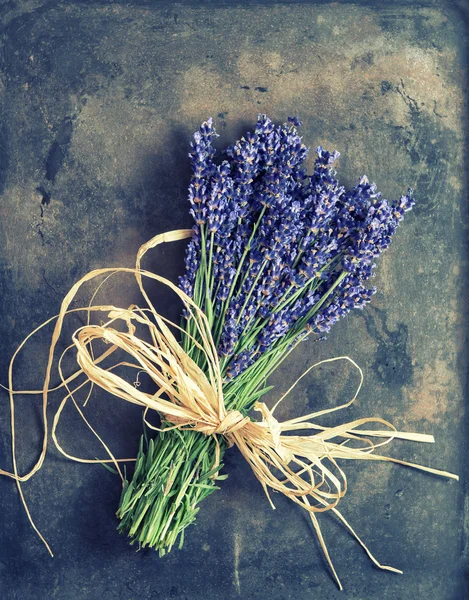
99	102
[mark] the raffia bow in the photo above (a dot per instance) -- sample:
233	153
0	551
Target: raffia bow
302	467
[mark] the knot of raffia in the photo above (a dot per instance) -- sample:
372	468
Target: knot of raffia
231	422
210	424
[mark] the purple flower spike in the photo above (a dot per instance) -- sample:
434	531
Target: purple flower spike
289	252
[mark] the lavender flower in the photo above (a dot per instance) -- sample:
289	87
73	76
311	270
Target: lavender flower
287	252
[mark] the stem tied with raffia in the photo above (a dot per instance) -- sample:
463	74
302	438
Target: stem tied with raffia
275	255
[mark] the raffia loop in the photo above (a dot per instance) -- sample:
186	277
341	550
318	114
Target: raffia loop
302	467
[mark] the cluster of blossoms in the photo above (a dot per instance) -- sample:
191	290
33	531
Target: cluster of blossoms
275	252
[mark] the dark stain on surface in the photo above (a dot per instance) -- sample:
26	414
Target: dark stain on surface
222	116
54	161
435	111
316	393
386	86
115	70
393	363
58	149
40	234
411	102
4	158
363	62
45	201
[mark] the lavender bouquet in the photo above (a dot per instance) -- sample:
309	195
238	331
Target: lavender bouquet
276	255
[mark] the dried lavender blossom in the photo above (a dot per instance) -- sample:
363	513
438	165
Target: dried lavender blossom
289	252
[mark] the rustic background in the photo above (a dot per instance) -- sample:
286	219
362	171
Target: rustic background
99	101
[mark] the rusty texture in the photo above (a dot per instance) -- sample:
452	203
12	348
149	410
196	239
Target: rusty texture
99	101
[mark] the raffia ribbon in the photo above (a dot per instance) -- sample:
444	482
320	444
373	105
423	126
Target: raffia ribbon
302	467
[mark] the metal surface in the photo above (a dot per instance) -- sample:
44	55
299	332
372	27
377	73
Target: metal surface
99	102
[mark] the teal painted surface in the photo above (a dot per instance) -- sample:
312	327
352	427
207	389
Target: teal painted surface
99	103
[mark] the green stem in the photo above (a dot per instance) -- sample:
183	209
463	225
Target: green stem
253	287
221	319
172	476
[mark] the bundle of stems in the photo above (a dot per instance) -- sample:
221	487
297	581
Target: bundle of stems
276	255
